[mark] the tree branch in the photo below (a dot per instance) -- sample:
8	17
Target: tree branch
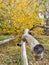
44	26
41	26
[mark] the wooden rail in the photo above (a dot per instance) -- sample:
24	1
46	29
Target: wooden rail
7	40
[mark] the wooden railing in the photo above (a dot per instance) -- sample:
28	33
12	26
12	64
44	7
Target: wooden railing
7	40
23	45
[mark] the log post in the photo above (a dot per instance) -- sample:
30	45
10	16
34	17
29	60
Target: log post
23	53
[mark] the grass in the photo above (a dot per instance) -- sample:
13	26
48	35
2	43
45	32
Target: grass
10	53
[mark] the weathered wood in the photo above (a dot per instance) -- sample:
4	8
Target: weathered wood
32	42
23	53
7	40
30	39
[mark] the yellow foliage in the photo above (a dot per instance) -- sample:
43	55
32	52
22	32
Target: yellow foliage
22	13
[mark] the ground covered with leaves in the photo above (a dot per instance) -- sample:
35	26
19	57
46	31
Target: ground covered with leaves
10	53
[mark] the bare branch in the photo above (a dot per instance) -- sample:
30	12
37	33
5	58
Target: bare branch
44	26
41	26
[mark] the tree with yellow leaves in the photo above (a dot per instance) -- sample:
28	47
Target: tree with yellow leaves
20	14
